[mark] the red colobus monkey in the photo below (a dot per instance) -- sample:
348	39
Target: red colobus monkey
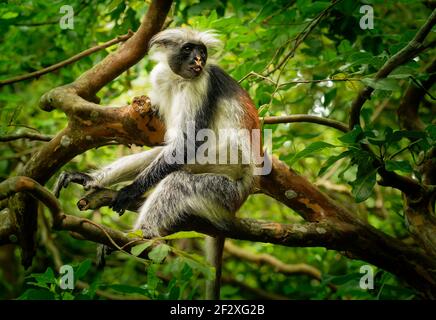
188	90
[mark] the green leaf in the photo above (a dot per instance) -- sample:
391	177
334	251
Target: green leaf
67	295
128	289
377	141
136	234
40	285
37	294
137	250
184	235
352	136
45	278
159	253
9	15
431	129
363	185
330	161
410	134
399	76
401	165
152	278
207	271
342	279
312	148
329	96
82	269
174	293
382	84
186	272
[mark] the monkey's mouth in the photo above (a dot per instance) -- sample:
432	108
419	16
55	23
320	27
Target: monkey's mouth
197	69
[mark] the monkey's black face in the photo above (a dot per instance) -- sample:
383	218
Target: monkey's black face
189	60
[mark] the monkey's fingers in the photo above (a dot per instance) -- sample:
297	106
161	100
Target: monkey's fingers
117	209
65	178
60	183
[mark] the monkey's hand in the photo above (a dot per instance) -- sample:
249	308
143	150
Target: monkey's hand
124	197
66	177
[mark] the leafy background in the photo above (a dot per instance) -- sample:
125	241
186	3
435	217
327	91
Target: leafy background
257	35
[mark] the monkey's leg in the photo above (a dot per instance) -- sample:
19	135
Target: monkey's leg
125	168
185	201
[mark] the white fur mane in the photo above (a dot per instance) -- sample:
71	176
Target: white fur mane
163	42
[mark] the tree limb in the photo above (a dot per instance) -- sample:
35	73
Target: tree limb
408	110
306	118
25	184
331	233
25	135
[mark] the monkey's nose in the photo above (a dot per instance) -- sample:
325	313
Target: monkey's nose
197	61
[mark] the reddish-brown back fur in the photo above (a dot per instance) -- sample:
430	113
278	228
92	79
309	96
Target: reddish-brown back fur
250	120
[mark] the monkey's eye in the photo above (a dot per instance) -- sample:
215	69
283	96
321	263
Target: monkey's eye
187	49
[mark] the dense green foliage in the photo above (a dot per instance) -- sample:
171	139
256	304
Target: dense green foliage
258	35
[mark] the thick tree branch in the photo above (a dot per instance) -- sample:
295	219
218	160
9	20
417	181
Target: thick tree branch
408	109
355	238
311	234
25	184
414	47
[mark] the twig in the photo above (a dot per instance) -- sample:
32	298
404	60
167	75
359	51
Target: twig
20	154
318	81
68	61
306	118
302	36
25	135
252	73
405	148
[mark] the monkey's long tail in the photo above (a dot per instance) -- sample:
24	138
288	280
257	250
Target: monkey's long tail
214	255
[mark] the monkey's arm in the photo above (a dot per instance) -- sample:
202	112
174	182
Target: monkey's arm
155	172
124	169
